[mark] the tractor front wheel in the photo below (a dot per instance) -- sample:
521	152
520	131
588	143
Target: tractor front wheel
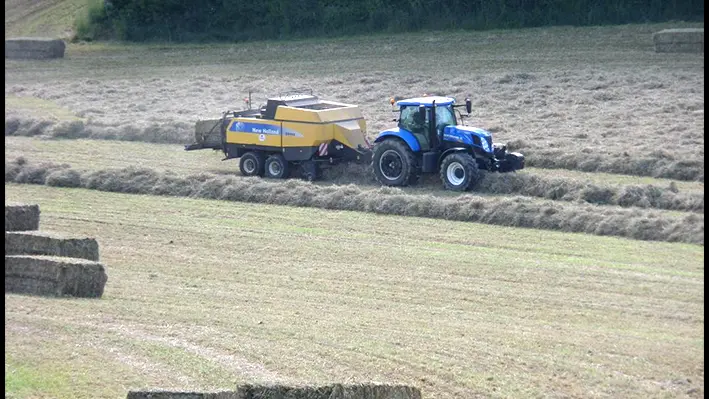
251	164
394	164
459	172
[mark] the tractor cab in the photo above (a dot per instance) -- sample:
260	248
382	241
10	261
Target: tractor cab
429	139
426	118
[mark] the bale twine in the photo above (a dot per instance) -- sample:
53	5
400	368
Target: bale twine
21	217
51	244
34	48
334	391
688	40
54	276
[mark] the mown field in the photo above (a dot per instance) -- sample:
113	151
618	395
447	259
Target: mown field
591	99
213	282
207	294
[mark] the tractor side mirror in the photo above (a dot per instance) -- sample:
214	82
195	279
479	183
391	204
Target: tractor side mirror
468	105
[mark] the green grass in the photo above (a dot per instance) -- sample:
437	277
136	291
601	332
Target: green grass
36	106
207	294
53	18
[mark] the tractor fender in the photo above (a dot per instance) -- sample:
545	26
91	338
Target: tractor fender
402	134
452	150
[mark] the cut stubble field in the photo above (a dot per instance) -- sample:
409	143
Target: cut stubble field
207	294
590	99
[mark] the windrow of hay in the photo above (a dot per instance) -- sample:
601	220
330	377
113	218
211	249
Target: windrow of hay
653	166
553	188
333	391
54	276
164	133
21	217
514	211
51	244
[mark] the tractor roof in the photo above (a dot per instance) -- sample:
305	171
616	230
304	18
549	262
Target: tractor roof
426	101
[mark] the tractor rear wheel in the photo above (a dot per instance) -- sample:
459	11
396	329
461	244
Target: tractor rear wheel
459	172
251	164
276	167
394	164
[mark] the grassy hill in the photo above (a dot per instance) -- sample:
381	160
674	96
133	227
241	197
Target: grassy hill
53	18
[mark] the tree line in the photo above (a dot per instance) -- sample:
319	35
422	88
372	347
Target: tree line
238	20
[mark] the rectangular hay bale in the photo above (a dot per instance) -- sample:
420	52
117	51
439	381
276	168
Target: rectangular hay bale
333	391
181	395
54	276
51	244
687	40
21	217
34	48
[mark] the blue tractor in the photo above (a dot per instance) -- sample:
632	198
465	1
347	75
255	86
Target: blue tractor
428	139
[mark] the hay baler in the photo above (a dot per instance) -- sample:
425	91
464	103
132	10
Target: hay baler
289	131
428	139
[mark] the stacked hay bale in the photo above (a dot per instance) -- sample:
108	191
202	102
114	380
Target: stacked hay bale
20	217
688	40
334	391
34	48
51	264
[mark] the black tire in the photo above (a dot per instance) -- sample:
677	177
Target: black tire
394	163
251	164
310	170
459	172
276	167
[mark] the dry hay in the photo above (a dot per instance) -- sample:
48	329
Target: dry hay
333	391
553	188
51	244
54	276
21	217
34	48
688	40
589	119
514	211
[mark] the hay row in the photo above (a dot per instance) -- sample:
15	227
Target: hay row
515	211
21	217
333	391
34	48
51	244
164	133
679	169
54	276
183	133
553	188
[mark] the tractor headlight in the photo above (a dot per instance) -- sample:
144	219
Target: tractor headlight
485	144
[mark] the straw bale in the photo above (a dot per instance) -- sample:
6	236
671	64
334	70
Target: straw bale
34	48
54	276
182	395
688	40
333	391
21	217
52	244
